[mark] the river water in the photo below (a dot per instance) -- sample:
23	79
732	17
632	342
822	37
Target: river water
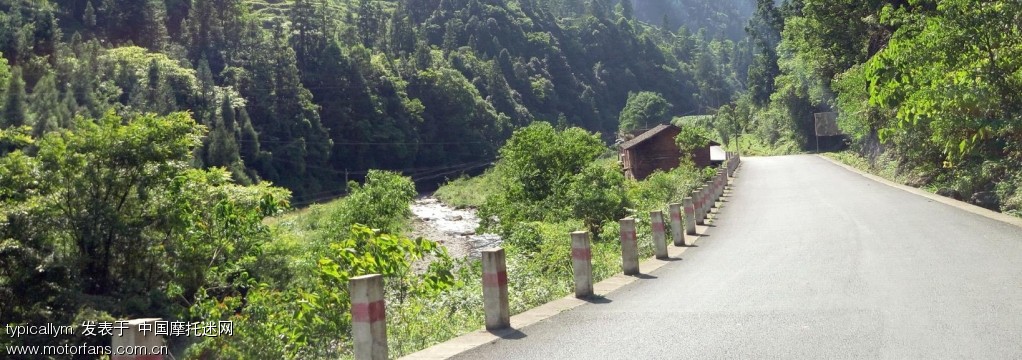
453	228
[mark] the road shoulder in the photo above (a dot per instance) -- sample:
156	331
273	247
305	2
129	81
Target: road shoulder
944	200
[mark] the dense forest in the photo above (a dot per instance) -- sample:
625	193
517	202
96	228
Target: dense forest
311	94
148	148
143	145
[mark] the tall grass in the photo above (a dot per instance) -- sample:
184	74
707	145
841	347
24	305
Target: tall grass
468	192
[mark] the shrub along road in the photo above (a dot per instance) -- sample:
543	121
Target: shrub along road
809	260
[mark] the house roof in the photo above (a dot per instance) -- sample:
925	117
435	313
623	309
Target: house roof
647	135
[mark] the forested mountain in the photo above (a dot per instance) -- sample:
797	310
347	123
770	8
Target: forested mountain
139	138
309	94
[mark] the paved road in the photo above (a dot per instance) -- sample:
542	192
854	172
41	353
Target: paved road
810	261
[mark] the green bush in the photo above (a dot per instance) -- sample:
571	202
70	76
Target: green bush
535	173
466	192
596	194
380	203
663	188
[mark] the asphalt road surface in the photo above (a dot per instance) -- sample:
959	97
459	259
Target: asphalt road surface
809	261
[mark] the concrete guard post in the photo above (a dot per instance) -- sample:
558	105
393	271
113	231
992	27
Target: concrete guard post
495	301
713	189
690	216
710	190
676	227
368	317
656	218
132	336
699	203
629	247
718	190
582	264
704	213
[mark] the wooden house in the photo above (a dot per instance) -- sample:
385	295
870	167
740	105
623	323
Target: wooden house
656	149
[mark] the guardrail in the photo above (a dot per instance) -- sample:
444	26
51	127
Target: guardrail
368	308
495	293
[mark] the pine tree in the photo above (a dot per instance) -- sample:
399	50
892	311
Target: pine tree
368	21
69	107
205	77
765	30
402	32
155	95
249	139
227	113
89	17
222	149
46	108
14	112
142	22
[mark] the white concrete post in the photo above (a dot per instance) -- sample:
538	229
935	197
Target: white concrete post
718	190
676	227
713	189
656	219
368	317
629	247
724	180
701	205
709	197
727	182
138	332
690	217
582	264
495	302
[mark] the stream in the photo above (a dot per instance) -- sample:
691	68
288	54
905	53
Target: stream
453	228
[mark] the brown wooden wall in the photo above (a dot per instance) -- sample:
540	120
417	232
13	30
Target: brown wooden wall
658	153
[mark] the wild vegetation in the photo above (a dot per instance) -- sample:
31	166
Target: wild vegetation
926	89
150	150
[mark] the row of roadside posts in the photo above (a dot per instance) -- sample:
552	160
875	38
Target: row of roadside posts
368	310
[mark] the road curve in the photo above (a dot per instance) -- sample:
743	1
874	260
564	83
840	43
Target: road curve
809	261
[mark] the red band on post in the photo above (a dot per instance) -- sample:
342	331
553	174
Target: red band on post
658	226
367	313
498	279
581	254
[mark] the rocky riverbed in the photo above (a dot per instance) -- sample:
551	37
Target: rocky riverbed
453	228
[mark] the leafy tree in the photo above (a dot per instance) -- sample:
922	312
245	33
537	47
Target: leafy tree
380	203
114	212
5	72
536	169
692	138
596	195
644	110
966	98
